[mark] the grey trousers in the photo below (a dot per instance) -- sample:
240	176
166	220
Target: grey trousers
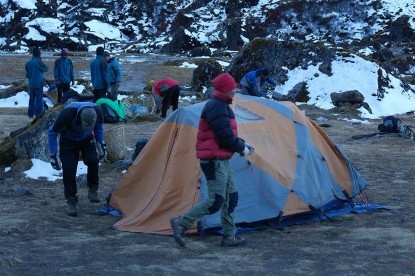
222	195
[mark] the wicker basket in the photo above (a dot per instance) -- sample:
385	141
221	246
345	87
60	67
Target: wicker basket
114	135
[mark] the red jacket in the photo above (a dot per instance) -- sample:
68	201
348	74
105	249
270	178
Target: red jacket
159	87
217	135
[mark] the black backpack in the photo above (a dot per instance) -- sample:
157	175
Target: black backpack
393	124
110	116
390	124
138	147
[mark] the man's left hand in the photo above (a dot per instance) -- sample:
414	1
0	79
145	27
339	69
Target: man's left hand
102	150
251	148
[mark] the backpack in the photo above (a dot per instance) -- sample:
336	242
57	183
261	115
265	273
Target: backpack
116	107
138	147
390	124
109	114
394	125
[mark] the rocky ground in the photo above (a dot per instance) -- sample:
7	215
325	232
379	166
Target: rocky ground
36	237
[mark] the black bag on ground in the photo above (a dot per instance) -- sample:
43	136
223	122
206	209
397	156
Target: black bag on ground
138	147
110	116
390	124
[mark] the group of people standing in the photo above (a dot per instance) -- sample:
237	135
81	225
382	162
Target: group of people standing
106	77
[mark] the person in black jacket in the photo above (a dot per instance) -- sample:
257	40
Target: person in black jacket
80	127
217	141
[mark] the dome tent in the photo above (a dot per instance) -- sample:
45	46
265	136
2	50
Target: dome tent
296	169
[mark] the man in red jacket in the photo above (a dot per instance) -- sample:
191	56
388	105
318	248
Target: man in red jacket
217	141
166	93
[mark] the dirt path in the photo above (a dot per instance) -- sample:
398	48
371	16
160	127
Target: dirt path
36	237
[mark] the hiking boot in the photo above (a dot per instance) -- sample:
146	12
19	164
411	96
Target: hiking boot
178	232
232	241
93	196
71	207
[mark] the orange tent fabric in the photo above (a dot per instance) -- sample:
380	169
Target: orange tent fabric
295	168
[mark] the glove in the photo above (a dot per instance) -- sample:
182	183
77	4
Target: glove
102	150
251	148
245	152
55	162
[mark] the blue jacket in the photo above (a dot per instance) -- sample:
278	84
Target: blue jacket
99	73
253	82
63	70
114	70
68	125
34	72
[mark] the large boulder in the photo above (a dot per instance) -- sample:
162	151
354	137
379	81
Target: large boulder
30	141
205	72
352	98
277	55
346	98
299	93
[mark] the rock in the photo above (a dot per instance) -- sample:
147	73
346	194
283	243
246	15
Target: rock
200	51
30	141
299	93
350	99
21	165
278	56
204	73
233	40
347	98
182	41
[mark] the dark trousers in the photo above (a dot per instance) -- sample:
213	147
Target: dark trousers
100	93
69	154
170	98
36	106
62	88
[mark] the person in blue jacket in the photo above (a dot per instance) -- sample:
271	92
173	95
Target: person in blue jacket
63	73
115	75
252	82
34	73
80	128
99	75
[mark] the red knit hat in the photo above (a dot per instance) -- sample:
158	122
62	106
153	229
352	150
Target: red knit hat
224	83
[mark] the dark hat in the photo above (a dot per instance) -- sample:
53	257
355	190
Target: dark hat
224	83
100	51
88	118
107	54
64	52
36	52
